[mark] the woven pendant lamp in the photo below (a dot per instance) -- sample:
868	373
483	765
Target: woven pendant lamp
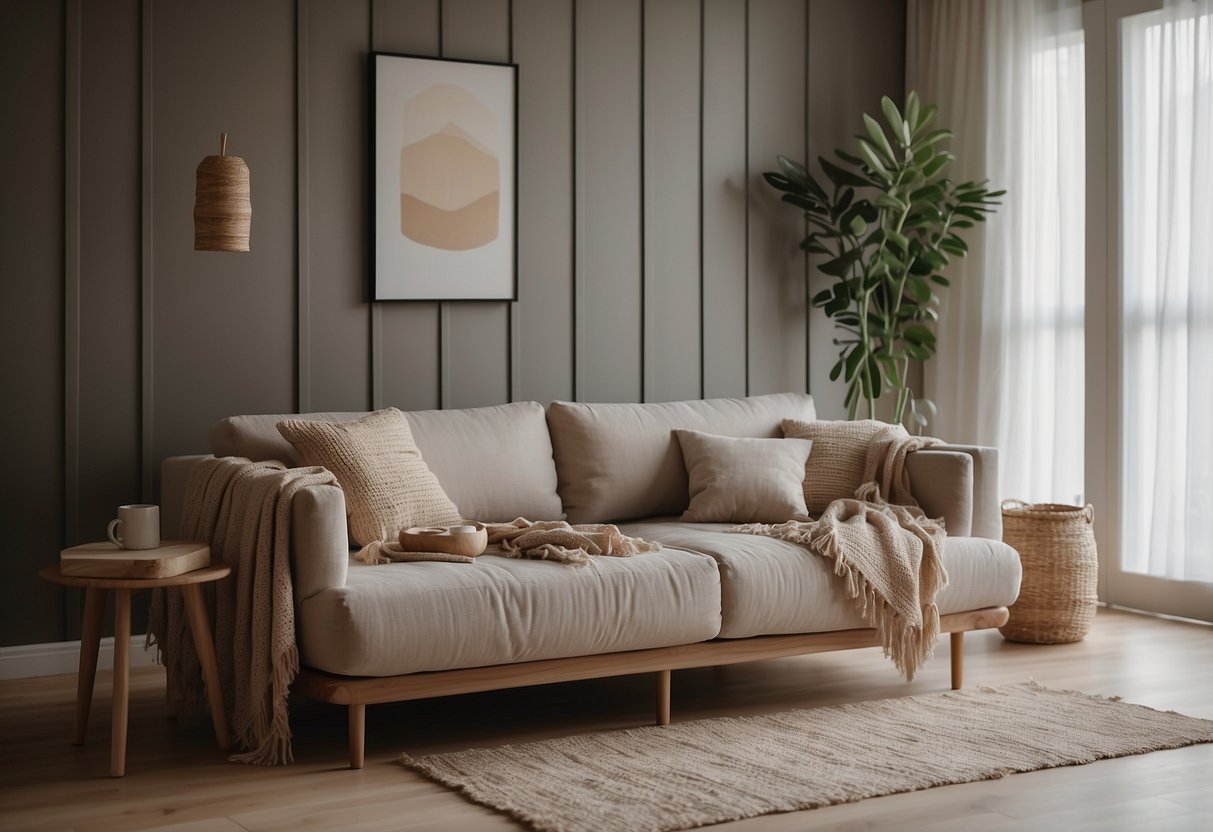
223	209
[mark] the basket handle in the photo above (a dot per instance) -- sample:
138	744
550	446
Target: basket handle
1088	512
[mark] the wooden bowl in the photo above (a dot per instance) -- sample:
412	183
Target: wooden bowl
441	539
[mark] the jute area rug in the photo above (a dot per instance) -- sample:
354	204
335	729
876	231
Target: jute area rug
709	771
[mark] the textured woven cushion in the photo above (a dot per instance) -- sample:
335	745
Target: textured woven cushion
619	461
387	484
835	467
742	480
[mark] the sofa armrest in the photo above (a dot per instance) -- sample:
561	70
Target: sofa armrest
942	483
320	548
320	543
987	509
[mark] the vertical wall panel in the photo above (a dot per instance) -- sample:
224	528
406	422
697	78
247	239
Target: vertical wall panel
109	257
671	201
409	353
334	343
107	433
223	323
543	49
608	232
836	109
477	357
31	317
724	198
777	341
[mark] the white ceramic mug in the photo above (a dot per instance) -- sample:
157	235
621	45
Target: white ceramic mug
139	525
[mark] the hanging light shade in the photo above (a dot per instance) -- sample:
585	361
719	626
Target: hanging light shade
223	209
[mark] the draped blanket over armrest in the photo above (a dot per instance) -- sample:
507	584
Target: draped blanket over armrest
242	509
887	555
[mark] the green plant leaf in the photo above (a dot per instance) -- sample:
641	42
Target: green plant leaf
793	170
801	201
857	226
839	266
934	136
841	177
891	113
938	162
873	161
822	297
918	334
852	362
890	202
918	290
849	158
912	105
836	371
925	119
879	140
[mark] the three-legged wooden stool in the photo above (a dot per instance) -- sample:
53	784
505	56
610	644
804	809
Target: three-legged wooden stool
94	608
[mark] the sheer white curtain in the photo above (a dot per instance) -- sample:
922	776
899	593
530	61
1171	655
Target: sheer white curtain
1167	319
1008	78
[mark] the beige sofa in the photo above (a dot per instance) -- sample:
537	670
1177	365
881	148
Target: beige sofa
371	634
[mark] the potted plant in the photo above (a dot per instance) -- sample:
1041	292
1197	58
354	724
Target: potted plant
887	225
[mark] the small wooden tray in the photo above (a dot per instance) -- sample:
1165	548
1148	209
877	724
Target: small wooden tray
105	560
468	544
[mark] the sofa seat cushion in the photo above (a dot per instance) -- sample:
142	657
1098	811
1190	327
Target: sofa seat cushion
770	586
404	618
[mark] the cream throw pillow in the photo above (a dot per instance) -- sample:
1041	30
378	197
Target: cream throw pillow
840	451
741	480
387	485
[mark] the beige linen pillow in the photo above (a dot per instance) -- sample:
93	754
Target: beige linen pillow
743	480
387	485
840	451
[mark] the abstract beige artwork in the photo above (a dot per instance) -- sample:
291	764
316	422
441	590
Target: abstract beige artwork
444	177
450	170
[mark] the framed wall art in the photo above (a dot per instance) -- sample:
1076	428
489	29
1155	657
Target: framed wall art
444	156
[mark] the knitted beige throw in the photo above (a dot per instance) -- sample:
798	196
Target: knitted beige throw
559	541
887	553
242	509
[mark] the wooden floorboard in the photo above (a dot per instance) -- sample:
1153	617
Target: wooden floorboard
178	780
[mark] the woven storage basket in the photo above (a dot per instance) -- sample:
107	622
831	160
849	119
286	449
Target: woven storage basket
1056	545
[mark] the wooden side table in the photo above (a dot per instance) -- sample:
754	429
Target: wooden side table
94	608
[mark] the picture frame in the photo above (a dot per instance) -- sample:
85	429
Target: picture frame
444	179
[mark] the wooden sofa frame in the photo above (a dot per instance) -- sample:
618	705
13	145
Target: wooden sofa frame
359	691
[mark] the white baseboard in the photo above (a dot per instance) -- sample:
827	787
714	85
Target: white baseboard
26	660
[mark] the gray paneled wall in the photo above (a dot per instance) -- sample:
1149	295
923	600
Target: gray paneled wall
653	262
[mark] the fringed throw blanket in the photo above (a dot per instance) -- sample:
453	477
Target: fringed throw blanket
888	555
557	540
242	509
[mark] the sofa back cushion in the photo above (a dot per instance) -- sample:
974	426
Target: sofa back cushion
495	463
622	461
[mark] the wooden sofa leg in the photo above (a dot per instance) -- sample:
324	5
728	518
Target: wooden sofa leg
357	734
958	660
663	697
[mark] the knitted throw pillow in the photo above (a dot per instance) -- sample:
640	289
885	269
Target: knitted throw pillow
387	485
743	480
840	450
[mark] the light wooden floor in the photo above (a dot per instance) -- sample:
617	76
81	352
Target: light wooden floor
177	779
